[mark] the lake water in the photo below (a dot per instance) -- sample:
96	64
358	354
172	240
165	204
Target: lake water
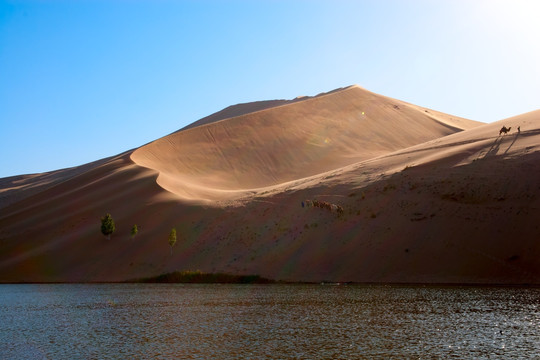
167	321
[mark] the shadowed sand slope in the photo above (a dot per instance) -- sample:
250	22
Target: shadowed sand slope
53	234
224	159
423	201
16	188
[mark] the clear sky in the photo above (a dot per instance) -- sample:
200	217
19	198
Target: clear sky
83	80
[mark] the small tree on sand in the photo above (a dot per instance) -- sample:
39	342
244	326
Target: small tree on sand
107	226
134	231
172	238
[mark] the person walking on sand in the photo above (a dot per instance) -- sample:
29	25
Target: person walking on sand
519	129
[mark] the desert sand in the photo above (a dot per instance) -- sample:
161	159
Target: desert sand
427	197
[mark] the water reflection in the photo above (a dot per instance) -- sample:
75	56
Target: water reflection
266	321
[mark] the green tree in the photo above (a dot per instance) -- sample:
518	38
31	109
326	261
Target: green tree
107	226
172	238
134	231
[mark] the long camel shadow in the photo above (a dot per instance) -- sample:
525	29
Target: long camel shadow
513	141
494	149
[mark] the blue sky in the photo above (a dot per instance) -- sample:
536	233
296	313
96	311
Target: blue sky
83	80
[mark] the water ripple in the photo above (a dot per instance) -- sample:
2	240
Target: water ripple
164	321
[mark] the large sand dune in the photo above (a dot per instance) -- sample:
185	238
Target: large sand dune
427	197
227	158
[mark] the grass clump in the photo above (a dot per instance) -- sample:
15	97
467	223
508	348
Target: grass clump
199	277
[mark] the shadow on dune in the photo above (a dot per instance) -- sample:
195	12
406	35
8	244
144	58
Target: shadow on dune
530	132
513	141
494	149
442	146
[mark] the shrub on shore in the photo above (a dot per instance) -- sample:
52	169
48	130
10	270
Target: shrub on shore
199	277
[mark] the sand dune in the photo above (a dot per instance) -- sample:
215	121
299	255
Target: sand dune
460	209
427	198
225	159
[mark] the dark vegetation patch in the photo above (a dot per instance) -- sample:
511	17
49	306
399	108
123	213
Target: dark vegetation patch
199	277
389	187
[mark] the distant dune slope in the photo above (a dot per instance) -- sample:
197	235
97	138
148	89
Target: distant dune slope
17	188
221	159
237	110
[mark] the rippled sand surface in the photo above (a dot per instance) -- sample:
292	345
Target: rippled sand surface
267	322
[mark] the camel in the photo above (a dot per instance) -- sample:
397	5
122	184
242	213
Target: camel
505	130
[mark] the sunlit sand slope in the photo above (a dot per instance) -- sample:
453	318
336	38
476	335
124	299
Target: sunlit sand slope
225	159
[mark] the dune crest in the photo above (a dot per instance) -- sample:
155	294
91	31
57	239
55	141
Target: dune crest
222	159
